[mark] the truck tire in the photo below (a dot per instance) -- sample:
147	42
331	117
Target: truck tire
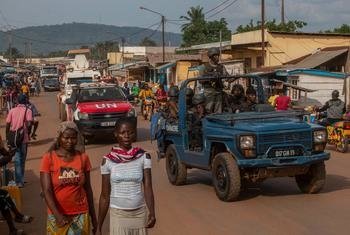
176	170
63	112
314	180
226	177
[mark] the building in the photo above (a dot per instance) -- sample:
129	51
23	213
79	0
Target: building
281	47
319	83
144	51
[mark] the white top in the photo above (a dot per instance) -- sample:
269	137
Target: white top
126	182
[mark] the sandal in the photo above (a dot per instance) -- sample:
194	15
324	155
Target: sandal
25	219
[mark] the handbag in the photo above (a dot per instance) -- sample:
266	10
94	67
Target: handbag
15	138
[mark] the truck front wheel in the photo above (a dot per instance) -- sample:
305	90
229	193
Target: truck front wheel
226	177
175	169
314	180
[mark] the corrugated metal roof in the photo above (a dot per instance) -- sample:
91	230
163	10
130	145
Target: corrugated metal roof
78	51
165	66
318	58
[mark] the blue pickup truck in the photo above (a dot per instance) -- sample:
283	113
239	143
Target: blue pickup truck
242	148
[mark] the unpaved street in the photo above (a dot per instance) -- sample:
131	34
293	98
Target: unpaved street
276	208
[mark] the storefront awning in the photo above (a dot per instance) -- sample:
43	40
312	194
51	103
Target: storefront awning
165	66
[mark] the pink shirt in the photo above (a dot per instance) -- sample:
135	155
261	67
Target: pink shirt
16	117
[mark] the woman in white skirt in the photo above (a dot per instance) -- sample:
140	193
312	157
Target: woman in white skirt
124	170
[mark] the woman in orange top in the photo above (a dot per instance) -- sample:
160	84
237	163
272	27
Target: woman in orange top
65	182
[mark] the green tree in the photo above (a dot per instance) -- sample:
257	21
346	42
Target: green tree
15	53
344	28
100	50
147	42
57	54
272	25
197	30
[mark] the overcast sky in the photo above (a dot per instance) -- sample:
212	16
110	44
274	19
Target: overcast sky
319	14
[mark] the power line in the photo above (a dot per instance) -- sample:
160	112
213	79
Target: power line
227	6
213	9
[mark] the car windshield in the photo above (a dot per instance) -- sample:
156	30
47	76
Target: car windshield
100	93
79	80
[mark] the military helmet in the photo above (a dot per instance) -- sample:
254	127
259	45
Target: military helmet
335	94
213	51
189	92
173	91
198	99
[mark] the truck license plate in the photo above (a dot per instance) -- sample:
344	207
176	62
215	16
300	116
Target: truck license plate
285	153
107	123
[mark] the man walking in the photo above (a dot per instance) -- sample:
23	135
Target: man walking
20	117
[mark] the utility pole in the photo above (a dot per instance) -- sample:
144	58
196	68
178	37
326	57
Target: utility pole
163	26
282	12
10	45
123	43
220	45
30	52
163	37
25	51
263	31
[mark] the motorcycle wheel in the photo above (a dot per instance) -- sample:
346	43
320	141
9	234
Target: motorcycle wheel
342	145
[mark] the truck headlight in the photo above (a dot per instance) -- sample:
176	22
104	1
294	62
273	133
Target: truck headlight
83	116
320	136
320	140
247	145
131	113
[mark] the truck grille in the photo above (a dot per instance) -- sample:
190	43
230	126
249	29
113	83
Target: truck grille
95	116
288	138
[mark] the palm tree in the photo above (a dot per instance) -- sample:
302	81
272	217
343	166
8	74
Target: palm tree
195	16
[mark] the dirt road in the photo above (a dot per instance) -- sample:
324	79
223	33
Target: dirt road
277	207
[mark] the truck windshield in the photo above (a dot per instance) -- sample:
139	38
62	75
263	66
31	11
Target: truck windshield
79	80
101	93
51	81
49	71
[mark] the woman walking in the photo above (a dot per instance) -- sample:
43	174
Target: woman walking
65	182
124	170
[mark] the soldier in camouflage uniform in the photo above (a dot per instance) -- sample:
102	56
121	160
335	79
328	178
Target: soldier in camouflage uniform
213	90
199	112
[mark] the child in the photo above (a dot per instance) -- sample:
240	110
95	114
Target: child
124	171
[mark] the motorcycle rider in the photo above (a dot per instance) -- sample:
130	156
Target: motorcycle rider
335	108
145	93
161	93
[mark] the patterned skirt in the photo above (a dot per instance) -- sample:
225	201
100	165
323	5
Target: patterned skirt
80	225
128	222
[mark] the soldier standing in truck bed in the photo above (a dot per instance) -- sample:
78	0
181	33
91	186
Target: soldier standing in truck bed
213	90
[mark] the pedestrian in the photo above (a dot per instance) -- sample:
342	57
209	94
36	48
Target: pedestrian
66	187
7	205
19	118
126	89
283	102
126	170
25	89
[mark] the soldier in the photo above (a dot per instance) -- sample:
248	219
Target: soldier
173	95
213	89
196	142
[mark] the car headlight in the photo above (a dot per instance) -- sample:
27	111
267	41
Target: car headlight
83	116
320	136
132	113
247	142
